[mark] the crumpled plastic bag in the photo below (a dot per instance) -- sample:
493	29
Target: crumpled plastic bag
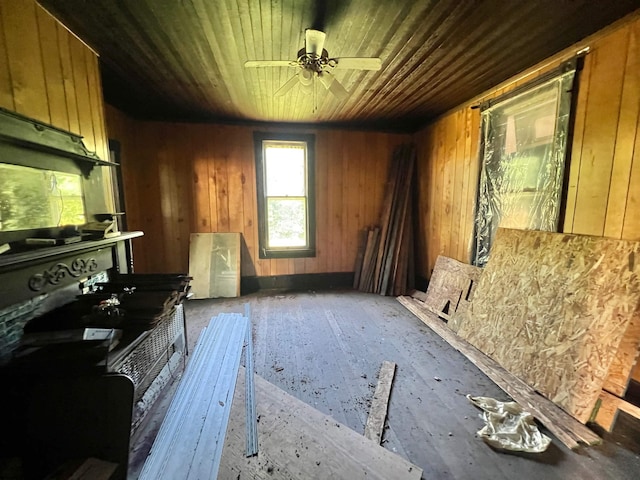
509	427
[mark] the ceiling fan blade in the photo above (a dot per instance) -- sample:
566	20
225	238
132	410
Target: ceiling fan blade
333	85
314	41
269	63
288	85
358	63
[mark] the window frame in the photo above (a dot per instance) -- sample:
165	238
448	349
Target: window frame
264	251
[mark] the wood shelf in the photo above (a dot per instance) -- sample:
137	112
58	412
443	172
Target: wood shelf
10	261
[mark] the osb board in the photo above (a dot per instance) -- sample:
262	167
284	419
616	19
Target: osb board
622	366
214	265
552	308
298	441
451	285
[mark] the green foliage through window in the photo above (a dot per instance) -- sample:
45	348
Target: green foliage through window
284	166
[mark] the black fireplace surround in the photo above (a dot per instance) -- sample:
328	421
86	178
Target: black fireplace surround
57	414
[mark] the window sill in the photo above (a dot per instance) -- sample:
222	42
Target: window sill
289	253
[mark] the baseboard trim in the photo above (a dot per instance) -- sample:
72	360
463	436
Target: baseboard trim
298	282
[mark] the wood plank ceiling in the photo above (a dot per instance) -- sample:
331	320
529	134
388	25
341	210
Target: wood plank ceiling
183	59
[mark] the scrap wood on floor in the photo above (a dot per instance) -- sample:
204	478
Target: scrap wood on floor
378	412
451	288
298	441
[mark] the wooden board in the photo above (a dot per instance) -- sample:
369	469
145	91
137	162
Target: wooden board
214	264
607	410
566	429
451	286
297	441
622	366
552	309
378	413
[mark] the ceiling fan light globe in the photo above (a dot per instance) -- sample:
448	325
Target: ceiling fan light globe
306	77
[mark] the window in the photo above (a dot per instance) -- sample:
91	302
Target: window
523	150
286	213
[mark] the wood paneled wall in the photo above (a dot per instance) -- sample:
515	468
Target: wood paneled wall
47	74
603	195
181	178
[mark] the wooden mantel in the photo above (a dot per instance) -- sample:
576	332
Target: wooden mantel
34	272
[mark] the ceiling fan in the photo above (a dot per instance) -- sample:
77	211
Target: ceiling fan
313	63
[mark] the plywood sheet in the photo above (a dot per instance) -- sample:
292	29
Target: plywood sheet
451	287
297	441
622	366
214	264
552	309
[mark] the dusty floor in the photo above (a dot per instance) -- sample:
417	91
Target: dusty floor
326	349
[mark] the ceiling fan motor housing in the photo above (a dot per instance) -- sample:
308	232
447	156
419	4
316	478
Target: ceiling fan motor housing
312	61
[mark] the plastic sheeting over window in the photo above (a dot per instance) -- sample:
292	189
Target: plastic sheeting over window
524	143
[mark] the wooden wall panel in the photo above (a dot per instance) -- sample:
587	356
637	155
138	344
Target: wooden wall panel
604	175
197	178
48	74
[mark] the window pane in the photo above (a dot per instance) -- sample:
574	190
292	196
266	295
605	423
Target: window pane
287	222
285	175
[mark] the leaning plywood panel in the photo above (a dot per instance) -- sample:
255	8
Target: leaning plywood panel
214	264
552	309
297	441
451	286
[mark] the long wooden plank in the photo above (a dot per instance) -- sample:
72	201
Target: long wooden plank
386	216
6	86
298	441
251	418
189	444
566	429
53	70
68	81
374	428
625	138
552	309
363	236
25	59
600	127
608	407
621	368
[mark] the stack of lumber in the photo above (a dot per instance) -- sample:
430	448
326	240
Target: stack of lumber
557	314
385	259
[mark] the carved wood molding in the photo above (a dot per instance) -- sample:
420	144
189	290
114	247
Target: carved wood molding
60	271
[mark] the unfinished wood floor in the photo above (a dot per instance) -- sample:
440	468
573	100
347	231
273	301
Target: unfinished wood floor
326	349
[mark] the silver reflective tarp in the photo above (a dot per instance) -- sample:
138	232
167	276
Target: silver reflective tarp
509	427
524	144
